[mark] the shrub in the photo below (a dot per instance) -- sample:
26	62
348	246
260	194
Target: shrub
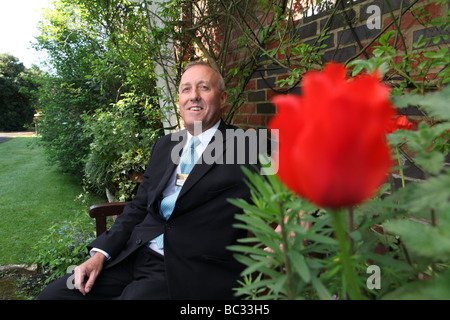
122	137
65	245
61	126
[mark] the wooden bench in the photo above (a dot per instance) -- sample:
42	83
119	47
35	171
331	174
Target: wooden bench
101	211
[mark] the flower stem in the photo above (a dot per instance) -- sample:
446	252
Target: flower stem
344	247
350	227
285	257
401	166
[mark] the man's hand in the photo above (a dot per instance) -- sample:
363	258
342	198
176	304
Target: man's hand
90	269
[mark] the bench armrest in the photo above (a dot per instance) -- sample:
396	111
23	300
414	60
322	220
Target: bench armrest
100	211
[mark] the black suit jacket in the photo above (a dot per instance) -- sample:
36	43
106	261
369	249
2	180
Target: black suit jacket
198	264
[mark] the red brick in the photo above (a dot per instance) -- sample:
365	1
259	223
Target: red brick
273	44
257	120
271	94
407	22
240	119
251	85
247	108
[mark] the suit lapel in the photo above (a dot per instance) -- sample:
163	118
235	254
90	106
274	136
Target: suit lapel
172	158
207	161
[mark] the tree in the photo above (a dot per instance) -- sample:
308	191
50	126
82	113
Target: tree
17	93
102	65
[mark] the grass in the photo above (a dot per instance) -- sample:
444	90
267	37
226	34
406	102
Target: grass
33	197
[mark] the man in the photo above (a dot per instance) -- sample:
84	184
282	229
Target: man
148	254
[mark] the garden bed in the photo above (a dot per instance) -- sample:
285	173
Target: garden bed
17	283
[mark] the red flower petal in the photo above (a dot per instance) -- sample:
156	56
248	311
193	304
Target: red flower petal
332	147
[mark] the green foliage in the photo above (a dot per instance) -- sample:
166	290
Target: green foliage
61	126
17	93
434	103
122	137
418	69
404	232
100	101
64	245
285	262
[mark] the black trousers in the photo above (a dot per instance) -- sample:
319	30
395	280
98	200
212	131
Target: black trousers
139	277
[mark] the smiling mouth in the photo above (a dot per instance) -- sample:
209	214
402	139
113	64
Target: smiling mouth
195	108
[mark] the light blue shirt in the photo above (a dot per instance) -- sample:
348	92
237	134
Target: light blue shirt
204	137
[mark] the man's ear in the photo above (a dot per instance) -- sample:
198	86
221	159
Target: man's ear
223	99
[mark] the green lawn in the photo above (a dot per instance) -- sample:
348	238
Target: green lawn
33	196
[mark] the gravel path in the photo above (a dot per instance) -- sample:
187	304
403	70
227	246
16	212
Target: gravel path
5	136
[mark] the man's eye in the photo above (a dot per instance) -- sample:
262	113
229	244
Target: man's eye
185	90
204	87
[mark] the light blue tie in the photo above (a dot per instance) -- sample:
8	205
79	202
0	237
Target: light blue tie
187	161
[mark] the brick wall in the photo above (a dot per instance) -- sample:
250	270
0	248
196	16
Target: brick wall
343	44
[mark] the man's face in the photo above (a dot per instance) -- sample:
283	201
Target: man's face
200	98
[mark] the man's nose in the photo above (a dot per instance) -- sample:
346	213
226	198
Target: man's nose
195	94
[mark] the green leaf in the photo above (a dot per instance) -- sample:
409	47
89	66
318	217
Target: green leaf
378	52
321	290
250	250
435	103
437	288
431	162
385	37
421	238
385	260
299	263
316	237
358	68
240	203
421	197
253	266
436	55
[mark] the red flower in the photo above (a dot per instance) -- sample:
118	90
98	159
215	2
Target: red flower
332	146
399	122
